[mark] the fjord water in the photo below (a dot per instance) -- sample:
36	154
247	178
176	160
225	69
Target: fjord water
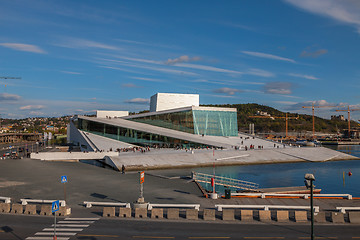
329	175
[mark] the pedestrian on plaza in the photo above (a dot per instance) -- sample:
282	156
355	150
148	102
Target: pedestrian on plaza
123	169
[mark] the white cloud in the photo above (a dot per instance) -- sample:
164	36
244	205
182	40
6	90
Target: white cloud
278	88
9	97
322	103
138	101
84	43
260	72
308	52
344	11
268	56
147	79
181	59
207	68
130	85
228	91
23	47
73	73
310	77
32	107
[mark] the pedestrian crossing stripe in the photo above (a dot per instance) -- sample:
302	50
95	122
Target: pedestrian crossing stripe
55	206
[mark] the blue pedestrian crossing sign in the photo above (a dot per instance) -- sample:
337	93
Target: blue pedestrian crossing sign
55	206
63	179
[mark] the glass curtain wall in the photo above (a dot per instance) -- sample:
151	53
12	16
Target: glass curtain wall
215	123
180	121
134	136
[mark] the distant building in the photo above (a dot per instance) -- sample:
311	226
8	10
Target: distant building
338	117
166	101
261	113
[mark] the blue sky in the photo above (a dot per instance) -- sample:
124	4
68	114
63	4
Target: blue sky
74	57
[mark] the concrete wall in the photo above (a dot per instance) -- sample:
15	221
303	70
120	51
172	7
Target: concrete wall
165	101
112	114
77	138
51	156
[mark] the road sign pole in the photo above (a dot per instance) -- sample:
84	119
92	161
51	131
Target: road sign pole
65	192
55	226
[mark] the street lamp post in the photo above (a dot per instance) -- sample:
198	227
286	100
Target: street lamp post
309	179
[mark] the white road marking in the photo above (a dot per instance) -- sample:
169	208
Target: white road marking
46	238
57	233
64	229
70	225
76	222
85	219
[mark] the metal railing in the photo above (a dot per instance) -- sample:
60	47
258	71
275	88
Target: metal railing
111	204
152	205
224	181
220	207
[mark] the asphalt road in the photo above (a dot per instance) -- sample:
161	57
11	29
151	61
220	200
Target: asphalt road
32	227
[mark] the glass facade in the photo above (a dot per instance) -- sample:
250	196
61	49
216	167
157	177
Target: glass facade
135	137
213	123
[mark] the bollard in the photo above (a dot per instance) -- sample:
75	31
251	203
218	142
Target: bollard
354	217
46	210
192	214
264	215
173	213
63	211
228	214
140	212
109	212
209	215
17	208
301	216
247	215
157	213
30	209
282	216
337	217
125	212
320	217
4	207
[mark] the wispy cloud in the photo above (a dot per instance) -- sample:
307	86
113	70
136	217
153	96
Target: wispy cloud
147	79
344	11
79	43
260	72
32	107
182	59
207	68
228	91
138	101
130	85
322	103
9	97
72	73
23	47
278	88
310	77
268	56
308	52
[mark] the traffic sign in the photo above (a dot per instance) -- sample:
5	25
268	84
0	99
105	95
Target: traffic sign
142	177
55	206
63	179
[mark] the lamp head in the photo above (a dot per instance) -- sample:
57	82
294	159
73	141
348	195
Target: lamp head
310	177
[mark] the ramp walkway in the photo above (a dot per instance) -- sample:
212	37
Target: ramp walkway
224	181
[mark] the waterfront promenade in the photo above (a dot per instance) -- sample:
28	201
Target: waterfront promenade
27	178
